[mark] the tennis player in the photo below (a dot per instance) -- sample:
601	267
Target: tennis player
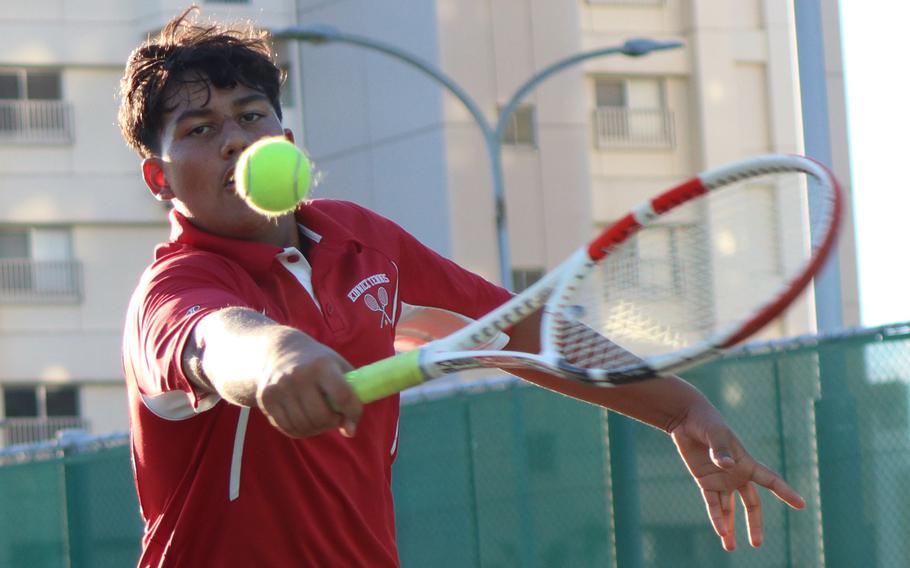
249	447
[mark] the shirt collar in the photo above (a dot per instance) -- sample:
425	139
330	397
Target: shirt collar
253	256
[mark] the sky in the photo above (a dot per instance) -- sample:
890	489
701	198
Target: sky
877	72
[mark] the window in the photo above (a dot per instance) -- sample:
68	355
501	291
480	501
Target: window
32	413
657	286
41	401
31	106
15	268
632	112
36	264
13	243
23	84
657	261
520	129
61	401
20	402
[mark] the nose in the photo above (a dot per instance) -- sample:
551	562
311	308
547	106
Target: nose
235	140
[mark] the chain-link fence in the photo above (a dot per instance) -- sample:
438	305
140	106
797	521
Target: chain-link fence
515	476
501	474
69	503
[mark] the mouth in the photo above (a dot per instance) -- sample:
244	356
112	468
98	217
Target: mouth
228	180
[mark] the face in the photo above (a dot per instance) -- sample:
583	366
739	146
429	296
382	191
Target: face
201	139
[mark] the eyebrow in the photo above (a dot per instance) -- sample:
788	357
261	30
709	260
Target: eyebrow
239	103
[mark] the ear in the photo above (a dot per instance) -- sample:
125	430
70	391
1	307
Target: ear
289	135
153	174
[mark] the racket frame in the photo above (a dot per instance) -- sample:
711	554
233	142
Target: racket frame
554	293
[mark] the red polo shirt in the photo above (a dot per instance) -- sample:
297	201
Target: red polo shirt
217	484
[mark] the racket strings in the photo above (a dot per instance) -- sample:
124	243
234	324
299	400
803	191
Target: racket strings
704	267
651	295
585	347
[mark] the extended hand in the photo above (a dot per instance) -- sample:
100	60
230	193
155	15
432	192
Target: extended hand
305	393
722	468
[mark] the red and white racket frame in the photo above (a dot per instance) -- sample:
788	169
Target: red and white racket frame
556	290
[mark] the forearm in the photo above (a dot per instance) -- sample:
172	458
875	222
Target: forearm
235	349
298	383
662	403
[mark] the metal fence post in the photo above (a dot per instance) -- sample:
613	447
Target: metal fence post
837	429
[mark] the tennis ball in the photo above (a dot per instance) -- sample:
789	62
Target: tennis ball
273	175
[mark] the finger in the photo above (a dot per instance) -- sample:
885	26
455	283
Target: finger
300	421
713	504
729	511
281	412
278	418
317	410
774	483
341	399
720	441
288	410
754	516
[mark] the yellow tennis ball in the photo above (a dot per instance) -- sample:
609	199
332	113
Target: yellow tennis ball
273	175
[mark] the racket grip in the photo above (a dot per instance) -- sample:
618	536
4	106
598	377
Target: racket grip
386	376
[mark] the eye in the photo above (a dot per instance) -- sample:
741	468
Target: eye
200	130
248	117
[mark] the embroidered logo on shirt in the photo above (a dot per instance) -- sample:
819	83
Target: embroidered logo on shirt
379	306
366	284
379	302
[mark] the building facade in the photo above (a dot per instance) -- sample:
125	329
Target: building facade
77	224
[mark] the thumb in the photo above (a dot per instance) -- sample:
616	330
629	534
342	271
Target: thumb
719	442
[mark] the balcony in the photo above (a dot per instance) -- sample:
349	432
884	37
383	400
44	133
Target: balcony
36	122
24	281
621	127
15	431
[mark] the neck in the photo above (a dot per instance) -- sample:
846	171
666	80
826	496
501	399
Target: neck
285	233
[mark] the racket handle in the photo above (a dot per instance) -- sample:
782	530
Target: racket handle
386	376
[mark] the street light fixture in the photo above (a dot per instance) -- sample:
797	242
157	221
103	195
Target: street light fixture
319	34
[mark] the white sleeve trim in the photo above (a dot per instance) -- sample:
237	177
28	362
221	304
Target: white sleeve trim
177	405
237	454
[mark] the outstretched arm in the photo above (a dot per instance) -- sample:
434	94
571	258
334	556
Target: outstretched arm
718	462
250	360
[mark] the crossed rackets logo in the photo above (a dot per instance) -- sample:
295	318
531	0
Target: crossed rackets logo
380	305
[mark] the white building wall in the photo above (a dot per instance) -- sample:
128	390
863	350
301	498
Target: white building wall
373	123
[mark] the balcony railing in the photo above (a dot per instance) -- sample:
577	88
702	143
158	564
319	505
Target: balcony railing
15	431
43	122
620	127
28	281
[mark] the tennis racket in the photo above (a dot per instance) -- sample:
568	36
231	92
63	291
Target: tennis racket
672	284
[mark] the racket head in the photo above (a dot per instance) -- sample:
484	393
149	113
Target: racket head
694	271
371	302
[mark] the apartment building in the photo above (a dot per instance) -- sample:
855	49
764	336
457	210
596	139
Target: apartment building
77	224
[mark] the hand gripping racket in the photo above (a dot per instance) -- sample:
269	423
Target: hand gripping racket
672	284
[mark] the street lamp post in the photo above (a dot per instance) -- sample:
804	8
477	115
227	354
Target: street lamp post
320	34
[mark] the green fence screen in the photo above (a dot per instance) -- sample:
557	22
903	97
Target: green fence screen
499	474
72	510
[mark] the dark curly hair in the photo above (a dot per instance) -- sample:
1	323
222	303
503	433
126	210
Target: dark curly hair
187	53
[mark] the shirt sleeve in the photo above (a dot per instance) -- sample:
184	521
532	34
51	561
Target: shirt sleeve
174	296
429	279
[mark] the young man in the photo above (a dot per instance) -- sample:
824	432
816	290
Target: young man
240	332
